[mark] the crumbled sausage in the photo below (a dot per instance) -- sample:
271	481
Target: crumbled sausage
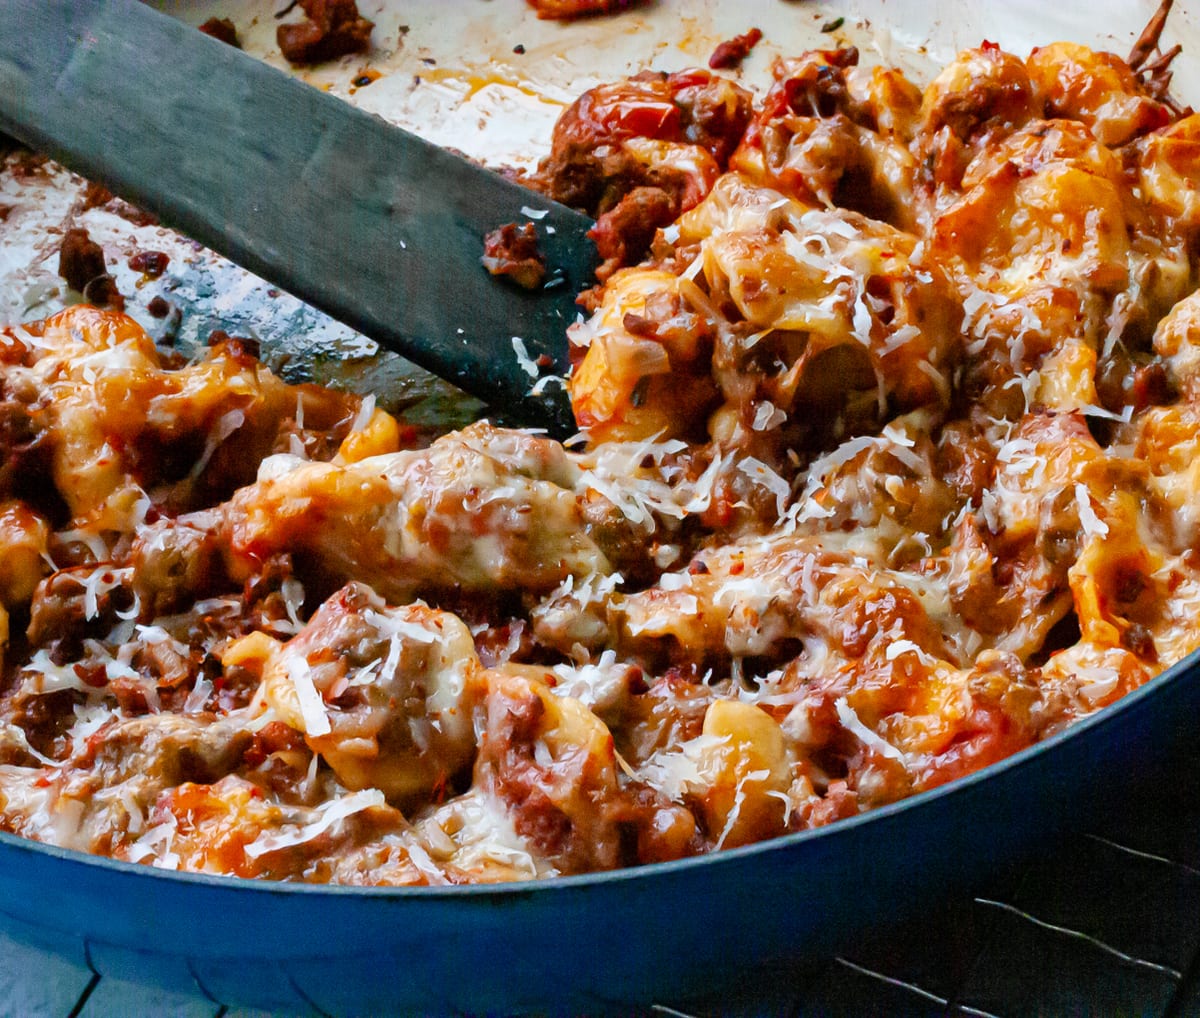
235	346
693	120
173	562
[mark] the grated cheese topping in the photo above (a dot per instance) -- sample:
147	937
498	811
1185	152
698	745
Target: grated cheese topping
312	706
841	487
329	816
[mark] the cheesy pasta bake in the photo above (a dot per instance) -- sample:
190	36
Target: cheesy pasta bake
889	453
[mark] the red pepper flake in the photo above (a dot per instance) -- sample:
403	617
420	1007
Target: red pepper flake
733	51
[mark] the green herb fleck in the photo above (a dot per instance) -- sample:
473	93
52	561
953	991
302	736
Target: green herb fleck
834	25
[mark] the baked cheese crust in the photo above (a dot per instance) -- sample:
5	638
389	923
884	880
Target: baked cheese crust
888	468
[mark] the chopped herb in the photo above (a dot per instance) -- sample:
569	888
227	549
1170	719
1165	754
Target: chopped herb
834	25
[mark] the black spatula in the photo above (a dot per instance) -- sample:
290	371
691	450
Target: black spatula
367	222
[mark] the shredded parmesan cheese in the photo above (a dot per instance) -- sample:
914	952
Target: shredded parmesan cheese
1092	525
524	361
312	707
872	740
329	816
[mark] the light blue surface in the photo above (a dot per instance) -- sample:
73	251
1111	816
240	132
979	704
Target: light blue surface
34	982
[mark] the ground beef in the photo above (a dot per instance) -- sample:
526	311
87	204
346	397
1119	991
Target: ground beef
151	263
80	259
733	51
81	264
564	10
222	29
623	234
590	168
333	29
62	614
597	160
512	251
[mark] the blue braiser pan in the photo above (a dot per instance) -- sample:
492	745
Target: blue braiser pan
580	944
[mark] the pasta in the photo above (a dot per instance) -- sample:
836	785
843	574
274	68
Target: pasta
888	401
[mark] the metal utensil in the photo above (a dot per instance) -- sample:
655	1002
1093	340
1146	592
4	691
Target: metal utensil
368	222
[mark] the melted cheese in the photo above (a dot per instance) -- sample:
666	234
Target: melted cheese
906	396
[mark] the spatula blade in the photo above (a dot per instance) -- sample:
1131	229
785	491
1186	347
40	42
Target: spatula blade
365	221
